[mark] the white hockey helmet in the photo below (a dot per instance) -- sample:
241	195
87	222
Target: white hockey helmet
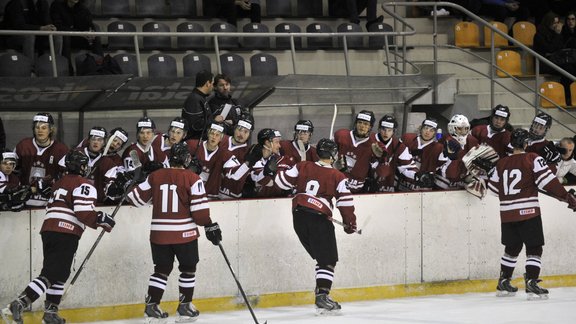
459	127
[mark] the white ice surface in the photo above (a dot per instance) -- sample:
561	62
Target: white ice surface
483	308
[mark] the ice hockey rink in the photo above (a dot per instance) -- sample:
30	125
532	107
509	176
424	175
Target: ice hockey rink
560	308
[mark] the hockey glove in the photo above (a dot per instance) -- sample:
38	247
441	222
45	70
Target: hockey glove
105	221
349	223
19	195
378	151
483	164
451	149
550	153
424	179
254	155
341	164
213	233
195	166
271	166
44	188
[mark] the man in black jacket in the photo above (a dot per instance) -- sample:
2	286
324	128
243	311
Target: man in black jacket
196	110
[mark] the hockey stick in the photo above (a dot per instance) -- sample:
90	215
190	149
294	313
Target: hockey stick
301	150
137	172
333	121
238	284
335	221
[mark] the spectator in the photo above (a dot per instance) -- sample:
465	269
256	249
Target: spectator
566	167
2	135
352	9
232	9
569	30
73	15
27	15
196	109
249	9
222	97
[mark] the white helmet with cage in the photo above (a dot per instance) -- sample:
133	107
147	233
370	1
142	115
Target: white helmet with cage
459	128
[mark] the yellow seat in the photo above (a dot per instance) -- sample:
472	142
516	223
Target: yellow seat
523	31
499	41
554	91
510	62
466	34
573	93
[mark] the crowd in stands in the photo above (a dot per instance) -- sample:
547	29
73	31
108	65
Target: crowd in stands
216	131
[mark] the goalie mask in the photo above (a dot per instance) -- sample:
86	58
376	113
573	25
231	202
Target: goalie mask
180	155
499	117
459	128
519	138
540	126
77	163
327	149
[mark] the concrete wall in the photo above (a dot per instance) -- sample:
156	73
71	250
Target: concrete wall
407	238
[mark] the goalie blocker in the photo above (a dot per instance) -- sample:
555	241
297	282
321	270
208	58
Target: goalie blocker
479	161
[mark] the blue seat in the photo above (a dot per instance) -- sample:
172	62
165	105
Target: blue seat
194	63
187	43
43	66
15	64
353	42
378	42
262	64
127	63
255	42
156	42
319	42
162	66
224	42
284	42
232	65
121	42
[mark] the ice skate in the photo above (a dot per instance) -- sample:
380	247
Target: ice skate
187	313
326	305
153	314
505	288
15	310
51	314
533	291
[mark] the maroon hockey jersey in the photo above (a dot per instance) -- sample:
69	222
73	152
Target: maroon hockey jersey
396	158
500	141
289	150
234	171
516	180
211	166
71	207
179	204
358	155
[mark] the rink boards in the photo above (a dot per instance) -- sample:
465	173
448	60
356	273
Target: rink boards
411	244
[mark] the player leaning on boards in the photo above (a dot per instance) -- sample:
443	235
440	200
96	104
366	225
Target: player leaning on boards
179	205
69	211
316	183
516	179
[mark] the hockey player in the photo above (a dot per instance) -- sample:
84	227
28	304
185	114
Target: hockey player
69	211
235	168
264	170
316	183
426	152
299	149
391	156
38	157
354	147
208	159
149	156
516	180
179	206
13	196
495	133
538	143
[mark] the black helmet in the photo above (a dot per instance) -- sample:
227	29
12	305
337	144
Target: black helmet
304	125
519	138
364	115
6	154
267	134
145	122
98	131
430	122
246	121
542	119
43	118
388	121
327	149
180	155
76	162
500	111
179	122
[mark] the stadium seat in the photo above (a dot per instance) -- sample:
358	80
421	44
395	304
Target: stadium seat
232	65
319	42
224	42
510	62
15	64
256	42
573	94
308	8
378	42
263	65
151	8
499	41
351	41
127	63
278	8
523	31
466	34
115	8
43	66
156	42
121	42
162	66
284	42
194	63
183	8
554	91
186	43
